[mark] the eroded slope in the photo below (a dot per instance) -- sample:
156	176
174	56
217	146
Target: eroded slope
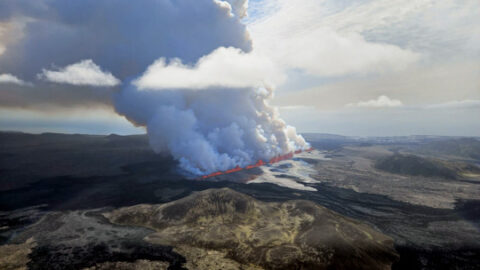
221	224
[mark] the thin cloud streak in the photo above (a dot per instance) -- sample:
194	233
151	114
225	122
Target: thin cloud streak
380	102
7	78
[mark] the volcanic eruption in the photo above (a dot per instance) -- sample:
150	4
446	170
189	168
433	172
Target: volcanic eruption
211	130
185	70
213	115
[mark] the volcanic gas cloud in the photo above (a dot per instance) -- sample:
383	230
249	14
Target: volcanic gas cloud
210	130
211	115
184	69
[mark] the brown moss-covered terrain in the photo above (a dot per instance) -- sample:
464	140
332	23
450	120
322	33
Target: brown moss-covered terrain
219	227
15	257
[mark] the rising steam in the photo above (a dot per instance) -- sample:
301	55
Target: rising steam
210	130
212	115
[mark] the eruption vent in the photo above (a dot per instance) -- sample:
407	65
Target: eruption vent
258	164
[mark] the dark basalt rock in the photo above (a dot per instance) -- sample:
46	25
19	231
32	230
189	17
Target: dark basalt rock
63	257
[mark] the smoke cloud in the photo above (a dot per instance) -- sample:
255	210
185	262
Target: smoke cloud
210	130
155	56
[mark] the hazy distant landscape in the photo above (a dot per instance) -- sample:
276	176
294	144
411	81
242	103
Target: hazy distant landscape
410	202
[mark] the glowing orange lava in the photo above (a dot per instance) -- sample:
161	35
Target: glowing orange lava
259	163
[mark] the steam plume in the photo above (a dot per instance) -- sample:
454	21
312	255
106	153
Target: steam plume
212	115
210	130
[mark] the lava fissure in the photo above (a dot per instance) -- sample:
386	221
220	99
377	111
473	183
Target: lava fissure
258	164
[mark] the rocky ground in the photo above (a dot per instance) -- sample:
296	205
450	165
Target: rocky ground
289	235
211	229
110	212
354	168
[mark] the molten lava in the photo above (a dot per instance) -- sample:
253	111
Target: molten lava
236	169
259	163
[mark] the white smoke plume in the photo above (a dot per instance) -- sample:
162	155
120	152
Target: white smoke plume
210	130
227	124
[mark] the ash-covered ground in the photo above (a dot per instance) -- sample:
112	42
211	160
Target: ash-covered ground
62	199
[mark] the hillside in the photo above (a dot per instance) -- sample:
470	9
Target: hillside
414	165
462	147
224	229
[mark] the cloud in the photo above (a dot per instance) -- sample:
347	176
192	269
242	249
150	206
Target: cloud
294	107
10	79
392	21
122	37
456	104
224	67
337	54
418	86
85	72
238	7
380	102
383	22
193	44
367	46
297	37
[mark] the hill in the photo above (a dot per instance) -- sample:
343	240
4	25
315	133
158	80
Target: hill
414	165
224	229
461	147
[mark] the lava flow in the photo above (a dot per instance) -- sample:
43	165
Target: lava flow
258	164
